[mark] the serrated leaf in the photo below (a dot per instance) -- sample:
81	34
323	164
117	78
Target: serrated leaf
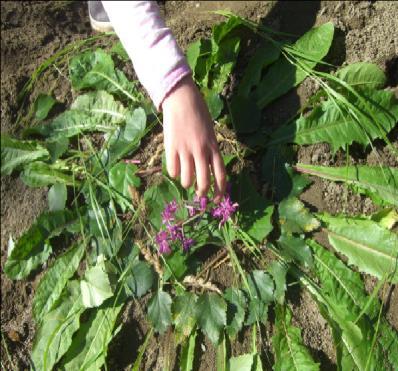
290	353
283	75
40	174
331	124
159	311
57	195
95	111
278	273
184	314
362	75
367	245
53	282
89	347
296	249
295	218
43	105
378	182
32	248
16	153
54	335
211	315
235	310
95	286
188	353
254	211
243	362
140	279
122	176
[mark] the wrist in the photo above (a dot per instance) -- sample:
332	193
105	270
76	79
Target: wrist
184	89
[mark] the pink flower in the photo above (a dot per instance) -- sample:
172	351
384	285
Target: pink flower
187	243
224	209
161	240
169	212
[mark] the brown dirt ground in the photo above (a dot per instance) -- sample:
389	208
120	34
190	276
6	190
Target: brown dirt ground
33	31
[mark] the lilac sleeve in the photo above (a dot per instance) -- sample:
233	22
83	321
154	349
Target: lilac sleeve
157	59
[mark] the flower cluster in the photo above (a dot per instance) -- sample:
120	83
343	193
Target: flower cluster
173	231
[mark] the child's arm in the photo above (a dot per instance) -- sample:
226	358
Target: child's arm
189	138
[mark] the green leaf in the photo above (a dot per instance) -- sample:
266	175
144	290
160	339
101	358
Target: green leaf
387	218
16	153
260	295
121	176
378	182
40	174
235	310
278	273
221	30
283	75
43	105
57	197
53	282
192	54
362	75
332	124
221	355
241	363
295	218
159	311
389	342
57	147
246	116
54	335
140	279
95	111
135	124
214	103
254	212
367	245
294	248
263	57
119	50
188	353
184	318
32	249
89	347
95	286
211	315
290	353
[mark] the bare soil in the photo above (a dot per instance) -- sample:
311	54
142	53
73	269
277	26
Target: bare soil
33	31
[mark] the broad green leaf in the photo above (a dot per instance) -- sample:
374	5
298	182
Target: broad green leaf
95	286
54	335
211	315
246	116
16	153
278	273
95	111
53	282
40	174
192	54
260	296
221	30
241	363
363	75
254	212
159	311
290	353
188	353
121	176
283	75
32	249
57	197
184	318
57	147
140	279
176	265
156	198
294	248
263	57
294	217
378	182
332	124
89	347
387	218
135	124
214	103
119	50
43	105
367	245
281	179
235	310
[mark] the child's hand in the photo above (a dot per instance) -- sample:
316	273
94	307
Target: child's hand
190	142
